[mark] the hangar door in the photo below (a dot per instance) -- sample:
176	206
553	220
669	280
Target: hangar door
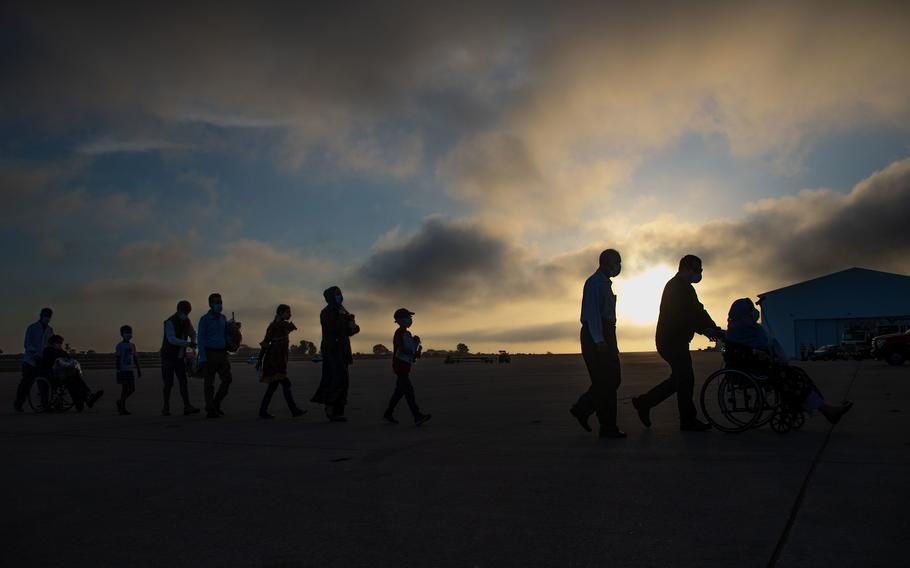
804	334
826	332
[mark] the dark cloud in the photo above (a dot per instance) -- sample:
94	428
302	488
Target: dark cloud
449	260
793	238
246	60
463	262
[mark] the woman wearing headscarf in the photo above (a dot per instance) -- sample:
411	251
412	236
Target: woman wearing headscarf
273	361
743	329
337	328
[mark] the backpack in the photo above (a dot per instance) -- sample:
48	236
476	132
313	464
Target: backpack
232	336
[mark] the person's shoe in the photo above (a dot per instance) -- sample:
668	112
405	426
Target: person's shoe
80	407
388	417
644	412
337	418
266	415
611	433
165	411
93	398
295	412
121	409
422	419
212	414
18	407
695	425
582	419
188	410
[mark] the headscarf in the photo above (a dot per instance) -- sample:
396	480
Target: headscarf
329	295
743	327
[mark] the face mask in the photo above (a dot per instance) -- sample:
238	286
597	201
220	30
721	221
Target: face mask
216	308
127	336
696	278
339	298
285	317
182	316
45	320
614	272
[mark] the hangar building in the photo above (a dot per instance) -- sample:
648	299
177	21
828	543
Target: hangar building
835	308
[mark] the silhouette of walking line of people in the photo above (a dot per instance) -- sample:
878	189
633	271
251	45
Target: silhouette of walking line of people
46	364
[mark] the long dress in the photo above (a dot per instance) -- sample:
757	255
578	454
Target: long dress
337	329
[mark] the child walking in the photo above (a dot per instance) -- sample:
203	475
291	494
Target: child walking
406	350
127	360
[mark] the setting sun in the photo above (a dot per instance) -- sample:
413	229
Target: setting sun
638	296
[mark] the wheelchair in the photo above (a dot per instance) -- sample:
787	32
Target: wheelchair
59	398
751	391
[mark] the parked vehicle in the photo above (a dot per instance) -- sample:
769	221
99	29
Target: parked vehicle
450	359
893	348
504	357
827	353
856	344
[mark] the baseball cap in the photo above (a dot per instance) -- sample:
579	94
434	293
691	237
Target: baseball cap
402	313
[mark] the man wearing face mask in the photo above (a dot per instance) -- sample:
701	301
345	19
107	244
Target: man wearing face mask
213	356
681	317
36	337
178	335
599	348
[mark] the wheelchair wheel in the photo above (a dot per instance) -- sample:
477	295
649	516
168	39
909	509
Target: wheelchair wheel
782	421
732	401
61	400
772	403
34	395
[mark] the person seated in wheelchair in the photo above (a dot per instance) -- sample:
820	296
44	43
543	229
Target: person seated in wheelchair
61	368
750	347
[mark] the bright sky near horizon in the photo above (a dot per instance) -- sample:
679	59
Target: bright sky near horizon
467	160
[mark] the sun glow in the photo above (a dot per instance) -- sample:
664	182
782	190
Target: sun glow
638	296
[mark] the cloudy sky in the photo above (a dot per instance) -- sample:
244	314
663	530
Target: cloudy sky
465	160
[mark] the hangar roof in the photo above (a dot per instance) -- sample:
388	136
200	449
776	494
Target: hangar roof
848	276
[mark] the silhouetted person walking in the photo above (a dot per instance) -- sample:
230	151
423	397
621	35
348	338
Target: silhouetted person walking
681	317
127	368
599	348
406	349
273	361
337	328
36	338
178	335
214	356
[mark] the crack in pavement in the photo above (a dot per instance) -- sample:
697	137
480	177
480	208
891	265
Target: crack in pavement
800	497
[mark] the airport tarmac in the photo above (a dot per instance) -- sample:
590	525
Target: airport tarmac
501	476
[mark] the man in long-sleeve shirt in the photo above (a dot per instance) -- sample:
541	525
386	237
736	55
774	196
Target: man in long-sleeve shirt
599	348
36	336
681	317
213	354
178	335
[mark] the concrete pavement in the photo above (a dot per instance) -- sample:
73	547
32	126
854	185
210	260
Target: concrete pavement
502	476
